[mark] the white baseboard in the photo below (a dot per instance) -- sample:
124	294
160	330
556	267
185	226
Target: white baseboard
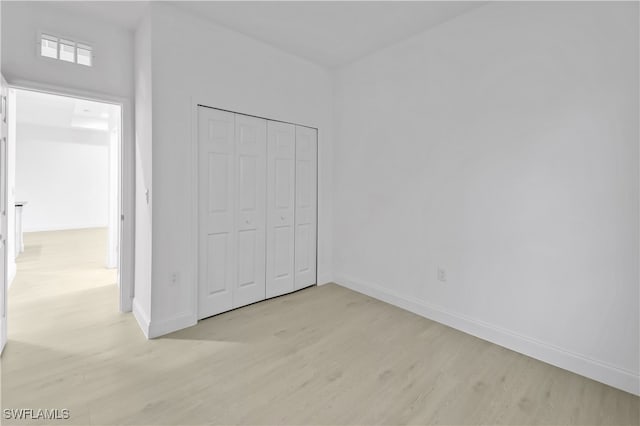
160	328
141	317
551	354
63	227
324	279
153	329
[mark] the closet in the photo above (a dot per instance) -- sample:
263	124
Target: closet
257	199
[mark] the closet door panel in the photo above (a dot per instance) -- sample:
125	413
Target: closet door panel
247	242
280	208
216	213
251	146
305	206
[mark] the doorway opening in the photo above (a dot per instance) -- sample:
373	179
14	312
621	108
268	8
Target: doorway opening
64	201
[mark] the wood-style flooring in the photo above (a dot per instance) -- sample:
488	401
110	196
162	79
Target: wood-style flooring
322	356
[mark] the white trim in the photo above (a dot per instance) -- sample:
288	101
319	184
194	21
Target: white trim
193	213
127	164
166	326
63	227
324	279
551	354
68	92
141	317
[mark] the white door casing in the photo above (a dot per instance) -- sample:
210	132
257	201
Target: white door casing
3	213
251	148
126	199
306	203
281	138
216	216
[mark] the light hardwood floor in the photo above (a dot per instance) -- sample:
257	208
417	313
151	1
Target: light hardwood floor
324	355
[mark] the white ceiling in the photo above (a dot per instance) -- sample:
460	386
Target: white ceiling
44	109
329	33
125	14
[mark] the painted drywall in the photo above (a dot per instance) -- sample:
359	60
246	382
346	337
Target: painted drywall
143	177
501	146
196	61
22	22
63	174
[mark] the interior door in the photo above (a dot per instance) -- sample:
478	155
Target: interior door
281	138
3	212
217	274
251	146
305	211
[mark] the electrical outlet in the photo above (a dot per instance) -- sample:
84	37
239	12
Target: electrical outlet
175	278
442	274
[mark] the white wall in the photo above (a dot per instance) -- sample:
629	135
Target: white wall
63	174
143	158
502	146
22	21
196	61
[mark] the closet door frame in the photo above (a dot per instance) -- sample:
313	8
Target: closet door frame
193	213
306	215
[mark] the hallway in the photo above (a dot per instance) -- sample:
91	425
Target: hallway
61	305
57	264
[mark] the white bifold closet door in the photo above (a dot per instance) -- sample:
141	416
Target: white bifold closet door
281	183
232	210
257	209
217	274
251	144
306	202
